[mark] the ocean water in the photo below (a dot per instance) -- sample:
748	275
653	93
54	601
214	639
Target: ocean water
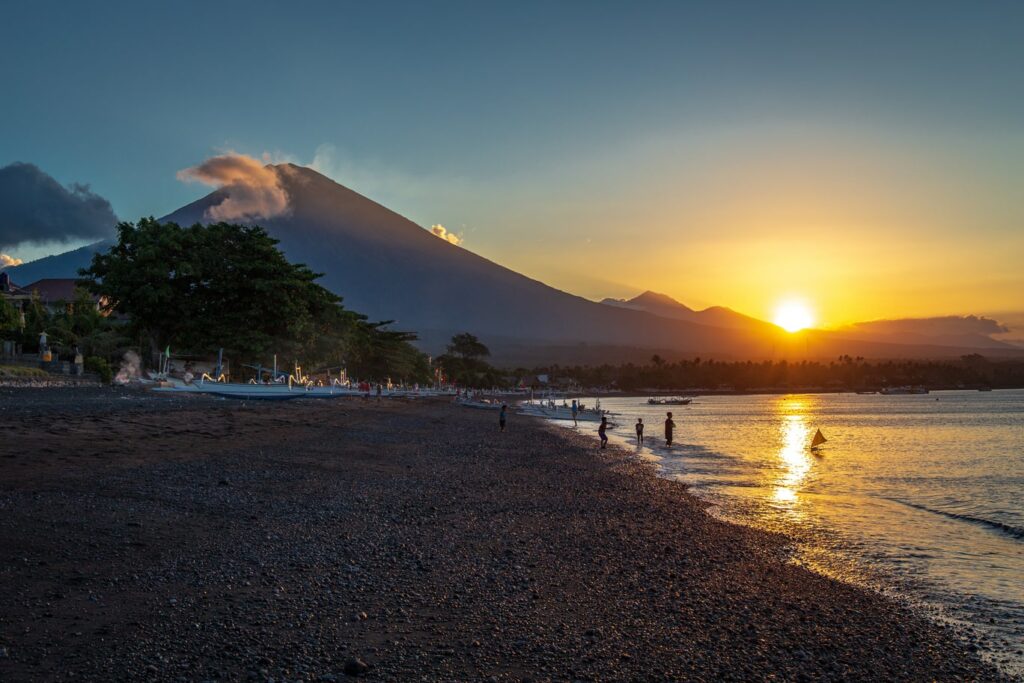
918	495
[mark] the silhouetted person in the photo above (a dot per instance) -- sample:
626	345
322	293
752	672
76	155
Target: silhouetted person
601	431
639	431
380	390
669	426
502	416
575	410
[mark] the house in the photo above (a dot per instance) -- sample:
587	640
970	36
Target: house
55	294
12	293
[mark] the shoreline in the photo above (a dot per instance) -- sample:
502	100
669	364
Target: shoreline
694	393
815	547
168	538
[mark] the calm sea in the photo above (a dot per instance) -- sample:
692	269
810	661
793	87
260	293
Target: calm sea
921	495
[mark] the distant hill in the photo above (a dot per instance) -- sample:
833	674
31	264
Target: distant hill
392	269
715	316
57	266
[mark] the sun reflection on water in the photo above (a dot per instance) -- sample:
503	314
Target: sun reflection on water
794	461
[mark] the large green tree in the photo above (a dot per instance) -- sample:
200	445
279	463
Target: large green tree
10	320
468	346
464	363
228	286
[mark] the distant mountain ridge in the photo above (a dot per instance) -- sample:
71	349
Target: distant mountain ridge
715	316
388	267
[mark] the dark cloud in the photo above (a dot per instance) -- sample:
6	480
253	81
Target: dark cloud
36	208
939	326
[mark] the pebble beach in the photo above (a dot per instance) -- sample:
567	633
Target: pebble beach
186	538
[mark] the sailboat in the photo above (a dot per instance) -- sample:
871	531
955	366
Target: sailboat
818	439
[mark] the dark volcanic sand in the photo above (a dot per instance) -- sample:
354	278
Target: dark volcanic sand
146	537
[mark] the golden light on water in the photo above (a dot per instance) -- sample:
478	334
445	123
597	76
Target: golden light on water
794	459
793	316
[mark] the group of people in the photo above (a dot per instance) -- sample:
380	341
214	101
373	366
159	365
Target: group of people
602	429
669	429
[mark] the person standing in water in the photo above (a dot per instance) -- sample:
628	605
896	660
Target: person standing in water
639	431
502	416
669	426
601	431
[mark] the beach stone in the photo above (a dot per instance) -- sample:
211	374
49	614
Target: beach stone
356	667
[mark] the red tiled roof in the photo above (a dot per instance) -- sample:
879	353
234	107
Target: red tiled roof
53	289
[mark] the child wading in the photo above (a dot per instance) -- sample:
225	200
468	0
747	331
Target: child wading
669	426
502	415
639	431
601	430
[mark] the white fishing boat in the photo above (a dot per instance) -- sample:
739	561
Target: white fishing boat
277	391
479	404
331	391
253	392
669	401
562	411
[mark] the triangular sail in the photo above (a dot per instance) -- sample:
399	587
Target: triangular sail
818	439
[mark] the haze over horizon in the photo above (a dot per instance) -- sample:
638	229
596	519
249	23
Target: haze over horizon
694	151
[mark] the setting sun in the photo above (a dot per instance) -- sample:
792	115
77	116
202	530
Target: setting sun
793	316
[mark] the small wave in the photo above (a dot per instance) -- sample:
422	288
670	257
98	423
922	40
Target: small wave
1008	529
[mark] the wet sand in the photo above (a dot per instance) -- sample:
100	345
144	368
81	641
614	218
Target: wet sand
153	537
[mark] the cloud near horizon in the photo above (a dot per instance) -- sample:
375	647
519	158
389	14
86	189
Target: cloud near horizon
251	189
8	260
442	232
937	326
35	208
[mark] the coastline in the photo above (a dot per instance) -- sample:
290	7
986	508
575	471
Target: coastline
189	537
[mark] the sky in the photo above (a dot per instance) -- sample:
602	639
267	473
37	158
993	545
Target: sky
864	158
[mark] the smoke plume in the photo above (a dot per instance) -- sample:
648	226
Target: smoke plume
36	208
251	190
443	233
131	368
7	260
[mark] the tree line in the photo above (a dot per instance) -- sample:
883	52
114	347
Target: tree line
844	373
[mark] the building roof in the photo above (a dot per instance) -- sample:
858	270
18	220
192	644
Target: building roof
9	288
53	289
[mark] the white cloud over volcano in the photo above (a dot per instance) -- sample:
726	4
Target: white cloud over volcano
442	232
251	189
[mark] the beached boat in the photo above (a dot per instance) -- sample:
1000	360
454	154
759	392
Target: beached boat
480	404
252	391
562	411
669	401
